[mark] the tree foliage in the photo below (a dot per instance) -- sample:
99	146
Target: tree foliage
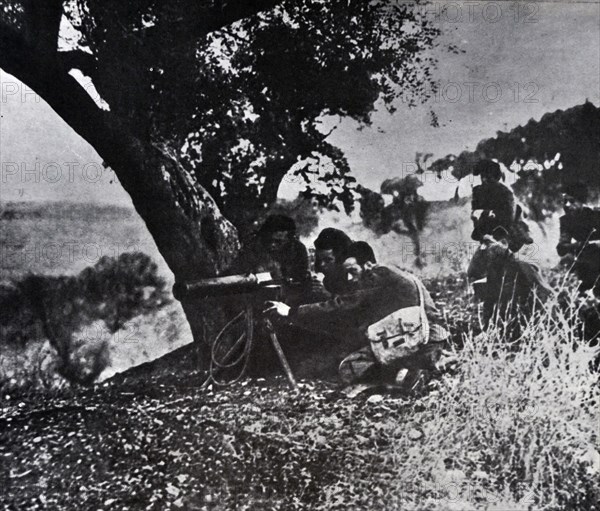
248	103
203	106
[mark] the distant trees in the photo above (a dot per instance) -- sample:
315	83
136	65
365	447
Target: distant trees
560	148
407	212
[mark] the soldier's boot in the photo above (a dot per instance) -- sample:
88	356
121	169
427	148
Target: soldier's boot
358	367
410	380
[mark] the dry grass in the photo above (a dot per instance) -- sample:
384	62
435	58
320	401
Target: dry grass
515	427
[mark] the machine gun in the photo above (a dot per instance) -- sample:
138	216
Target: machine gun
230	285
256	288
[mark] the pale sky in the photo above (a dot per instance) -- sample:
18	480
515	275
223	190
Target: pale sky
517	64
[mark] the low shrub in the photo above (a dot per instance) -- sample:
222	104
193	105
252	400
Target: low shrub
70	311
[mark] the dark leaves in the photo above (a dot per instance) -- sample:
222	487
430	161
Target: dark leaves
243	103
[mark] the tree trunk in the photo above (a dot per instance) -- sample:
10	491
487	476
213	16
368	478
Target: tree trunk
195	239
189	230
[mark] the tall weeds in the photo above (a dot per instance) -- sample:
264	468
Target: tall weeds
516	426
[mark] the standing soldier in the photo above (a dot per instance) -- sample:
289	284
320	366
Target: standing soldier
580	237
493	205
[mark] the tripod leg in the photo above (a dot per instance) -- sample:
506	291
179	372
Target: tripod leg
284	363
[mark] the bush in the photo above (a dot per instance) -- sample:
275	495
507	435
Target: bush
120	289
70	313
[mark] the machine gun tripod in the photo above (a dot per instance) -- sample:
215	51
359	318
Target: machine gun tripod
256	288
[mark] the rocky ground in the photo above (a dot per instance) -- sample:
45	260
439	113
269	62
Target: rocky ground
154	445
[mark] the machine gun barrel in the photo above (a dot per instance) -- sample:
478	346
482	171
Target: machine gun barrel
220	286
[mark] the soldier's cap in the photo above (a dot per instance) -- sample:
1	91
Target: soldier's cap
275	223
489	168
362	252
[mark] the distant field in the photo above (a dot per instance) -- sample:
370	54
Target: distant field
58	238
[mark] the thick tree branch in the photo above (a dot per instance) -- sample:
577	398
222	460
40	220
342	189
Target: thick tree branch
43	24
226	12
60	90
78	59
175	212
218	15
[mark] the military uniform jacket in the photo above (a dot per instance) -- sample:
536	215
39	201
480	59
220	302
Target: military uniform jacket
291	262
495	197
582	226
382	291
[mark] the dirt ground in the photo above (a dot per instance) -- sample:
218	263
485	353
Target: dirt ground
257	445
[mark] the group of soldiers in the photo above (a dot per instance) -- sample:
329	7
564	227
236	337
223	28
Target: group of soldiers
579	241
514	286
342	292
354	293
497	217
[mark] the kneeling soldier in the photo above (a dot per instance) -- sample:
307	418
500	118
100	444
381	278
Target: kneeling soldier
579	241
388	315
